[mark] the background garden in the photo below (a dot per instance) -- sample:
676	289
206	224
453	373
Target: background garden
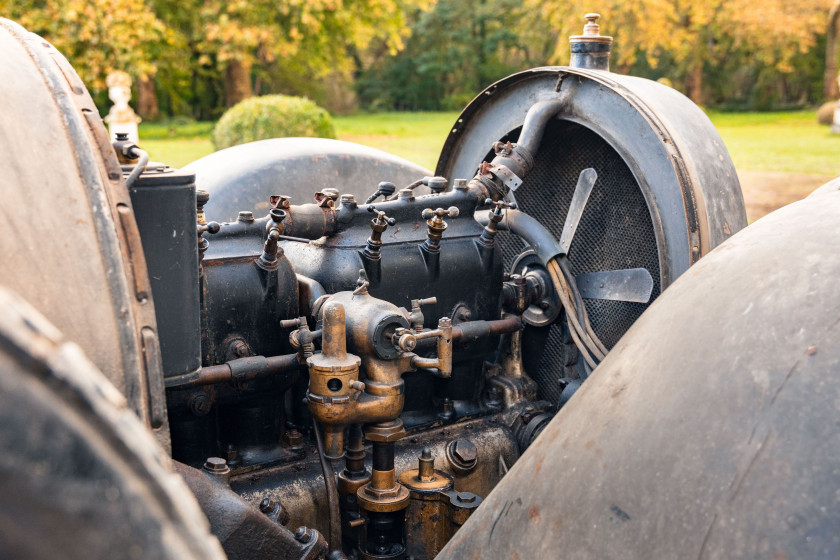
394	73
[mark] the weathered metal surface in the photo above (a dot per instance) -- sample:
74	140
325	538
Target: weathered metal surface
70	245
676	156
80	476
243	177
710	429
244	531
584	188
632	284
300	486
165	209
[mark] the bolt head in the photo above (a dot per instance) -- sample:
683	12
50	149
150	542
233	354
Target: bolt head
266	505
303	535
216	465
464	451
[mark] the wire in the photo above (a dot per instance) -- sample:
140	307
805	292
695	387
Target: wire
332	492
410	187
570	279
590	346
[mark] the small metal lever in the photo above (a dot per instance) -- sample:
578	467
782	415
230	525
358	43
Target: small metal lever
378	224
416	318
488	236
436	225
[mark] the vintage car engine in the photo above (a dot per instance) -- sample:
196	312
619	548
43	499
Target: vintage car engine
356	316
344	353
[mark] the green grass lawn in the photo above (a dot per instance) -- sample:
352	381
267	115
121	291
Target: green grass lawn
789	142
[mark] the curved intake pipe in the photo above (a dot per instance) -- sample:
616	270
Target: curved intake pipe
514	161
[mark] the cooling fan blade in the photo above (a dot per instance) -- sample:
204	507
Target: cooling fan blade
630	284
586	181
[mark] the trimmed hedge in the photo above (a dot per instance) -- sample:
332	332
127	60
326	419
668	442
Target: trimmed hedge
272	116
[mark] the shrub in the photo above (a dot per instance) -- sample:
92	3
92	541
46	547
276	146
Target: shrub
825	114
271	116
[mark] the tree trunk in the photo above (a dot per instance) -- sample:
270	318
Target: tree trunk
694	83
830	87
237	82
147	102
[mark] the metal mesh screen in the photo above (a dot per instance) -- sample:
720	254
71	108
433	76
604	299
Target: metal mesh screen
615	232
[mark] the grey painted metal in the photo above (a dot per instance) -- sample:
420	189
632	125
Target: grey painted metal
243	177
830	187
710	430
582	191
675	154
81	478
630	284
69	243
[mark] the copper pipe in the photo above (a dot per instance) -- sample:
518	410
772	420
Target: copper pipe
333	336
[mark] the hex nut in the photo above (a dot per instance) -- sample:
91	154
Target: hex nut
303	535
462	455
266	505
216	466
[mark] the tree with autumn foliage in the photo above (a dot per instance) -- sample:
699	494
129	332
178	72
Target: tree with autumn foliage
695	35
204	44
99	36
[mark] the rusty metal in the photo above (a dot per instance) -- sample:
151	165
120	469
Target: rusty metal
243	530
703	435
283	275
98	297
383	501
475	330
435	510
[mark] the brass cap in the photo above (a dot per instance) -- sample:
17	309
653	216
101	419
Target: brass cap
591	31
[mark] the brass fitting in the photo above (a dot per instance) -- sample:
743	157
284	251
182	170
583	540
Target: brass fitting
406	340
436	226
378	225
333	381
336	397
383	493
435	509
416	317
488	236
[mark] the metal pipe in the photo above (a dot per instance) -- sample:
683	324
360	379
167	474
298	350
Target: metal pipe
309	291
514	161
139	168
242	369
333	336
529	229
474	330
536	120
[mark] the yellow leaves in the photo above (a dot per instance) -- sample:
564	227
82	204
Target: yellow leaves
688	30
98	35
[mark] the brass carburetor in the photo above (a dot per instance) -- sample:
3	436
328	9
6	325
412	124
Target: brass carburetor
382	334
